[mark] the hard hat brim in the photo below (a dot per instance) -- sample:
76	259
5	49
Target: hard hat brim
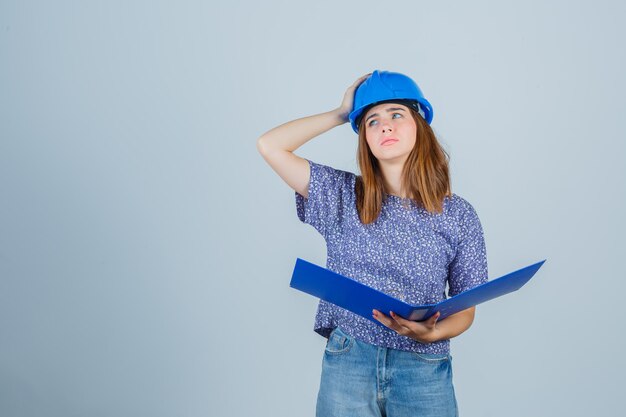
423	108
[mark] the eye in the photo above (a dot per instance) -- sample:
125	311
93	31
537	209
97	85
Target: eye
392	116
371	122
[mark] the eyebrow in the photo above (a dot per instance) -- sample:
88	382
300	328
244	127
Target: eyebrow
388	110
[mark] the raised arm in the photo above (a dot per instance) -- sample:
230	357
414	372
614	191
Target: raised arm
278	144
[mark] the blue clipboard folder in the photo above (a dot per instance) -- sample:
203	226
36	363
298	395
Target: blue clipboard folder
361	299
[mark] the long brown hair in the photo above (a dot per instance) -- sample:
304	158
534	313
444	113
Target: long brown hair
425	175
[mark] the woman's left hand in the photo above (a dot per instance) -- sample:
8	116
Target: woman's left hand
422	331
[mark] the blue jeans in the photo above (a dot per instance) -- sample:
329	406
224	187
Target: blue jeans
359	379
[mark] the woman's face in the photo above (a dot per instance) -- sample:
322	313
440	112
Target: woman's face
390	131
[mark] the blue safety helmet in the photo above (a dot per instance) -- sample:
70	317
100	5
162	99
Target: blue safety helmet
388	87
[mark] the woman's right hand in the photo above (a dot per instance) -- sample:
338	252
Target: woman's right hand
348	98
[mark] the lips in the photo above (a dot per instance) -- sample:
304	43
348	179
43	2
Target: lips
388	141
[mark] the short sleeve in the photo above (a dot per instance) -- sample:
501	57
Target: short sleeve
468	269
329	190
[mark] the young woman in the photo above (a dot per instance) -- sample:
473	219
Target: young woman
397	228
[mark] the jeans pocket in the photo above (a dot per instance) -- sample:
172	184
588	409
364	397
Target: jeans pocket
338	342
433	358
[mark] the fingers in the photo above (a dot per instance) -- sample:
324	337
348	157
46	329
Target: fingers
410	326
432	321
391	322
348	97
361	79
401	321
423	331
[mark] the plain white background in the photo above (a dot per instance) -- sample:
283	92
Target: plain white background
146	248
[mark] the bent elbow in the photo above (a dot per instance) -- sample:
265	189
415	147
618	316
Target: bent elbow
261	145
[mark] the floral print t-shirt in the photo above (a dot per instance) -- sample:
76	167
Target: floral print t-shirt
408	253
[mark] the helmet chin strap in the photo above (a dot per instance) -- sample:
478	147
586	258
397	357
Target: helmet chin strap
421	112
416	106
